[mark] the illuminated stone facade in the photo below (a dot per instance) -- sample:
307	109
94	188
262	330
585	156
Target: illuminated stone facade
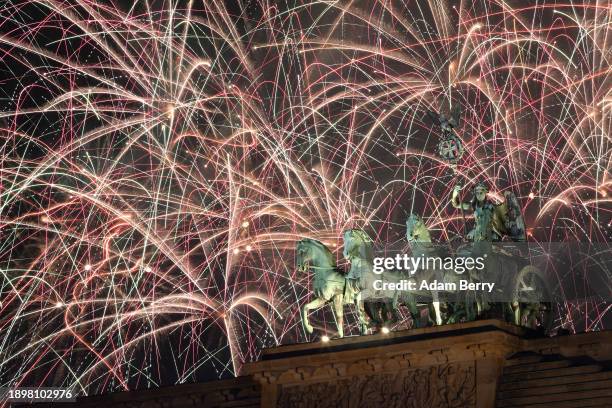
482	364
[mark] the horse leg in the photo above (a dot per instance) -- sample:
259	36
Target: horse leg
516	310
363	327
389	313
339	311
315	304
395	307
470	306
436	308
414	311
482	305
371	312
474	310
456	312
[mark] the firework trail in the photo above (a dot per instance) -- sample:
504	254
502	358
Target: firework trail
159	161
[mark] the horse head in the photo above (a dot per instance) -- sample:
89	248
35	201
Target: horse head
416	230
313	254
357	244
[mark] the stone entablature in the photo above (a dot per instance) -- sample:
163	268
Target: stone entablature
454	366
445	366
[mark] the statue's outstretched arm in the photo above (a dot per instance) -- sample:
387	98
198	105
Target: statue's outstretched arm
455	200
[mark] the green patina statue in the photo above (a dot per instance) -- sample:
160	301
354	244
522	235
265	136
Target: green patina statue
493	221
329	285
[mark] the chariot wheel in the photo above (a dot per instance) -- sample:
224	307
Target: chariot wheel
532	305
